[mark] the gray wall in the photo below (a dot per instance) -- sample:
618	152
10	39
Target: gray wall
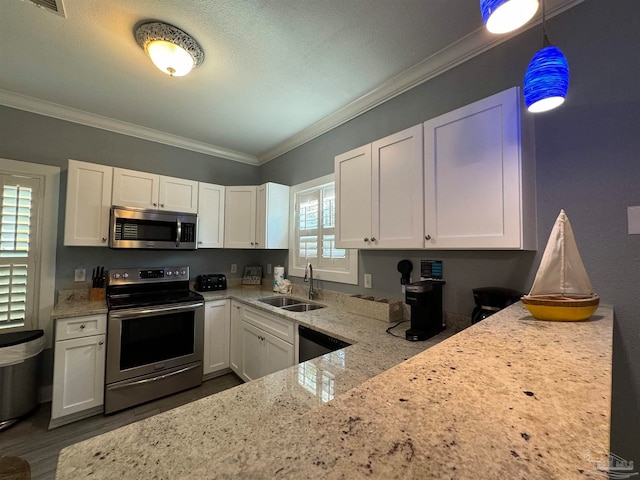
588	162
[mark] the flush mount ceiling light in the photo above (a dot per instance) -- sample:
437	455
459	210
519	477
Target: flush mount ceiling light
546	80
503	16
171	50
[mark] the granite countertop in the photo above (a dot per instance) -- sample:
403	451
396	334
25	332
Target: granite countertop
510	397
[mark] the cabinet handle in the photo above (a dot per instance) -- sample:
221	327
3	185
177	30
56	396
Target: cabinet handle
366	239
104	239
162	205
100	342
427	237
251	243
199	242
155	204
82	326
373	239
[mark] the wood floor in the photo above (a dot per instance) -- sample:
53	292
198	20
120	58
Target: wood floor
31	440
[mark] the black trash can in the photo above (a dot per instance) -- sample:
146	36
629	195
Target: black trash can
20	373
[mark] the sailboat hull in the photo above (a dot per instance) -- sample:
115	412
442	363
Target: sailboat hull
563	308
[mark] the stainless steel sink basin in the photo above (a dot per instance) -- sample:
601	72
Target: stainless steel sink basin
302	307
280	301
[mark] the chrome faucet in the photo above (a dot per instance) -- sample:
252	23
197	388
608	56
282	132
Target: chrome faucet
308	277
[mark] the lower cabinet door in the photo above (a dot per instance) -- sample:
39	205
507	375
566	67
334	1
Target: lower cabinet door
78	377
235	351
216	336
278	354
252	352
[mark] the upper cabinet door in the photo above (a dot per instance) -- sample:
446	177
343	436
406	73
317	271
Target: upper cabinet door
86	220
479	177
353	198
272	216
178	195
135	189
397	194
210	215
240	217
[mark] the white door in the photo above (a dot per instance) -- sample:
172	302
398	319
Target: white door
210	215
278	354
240	217
235	352
86	220
178	195
217	319
397	194
472	175
252	352
78	378
135	189
353	198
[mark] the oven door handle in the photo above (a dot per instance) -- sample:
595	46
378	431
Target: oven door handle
154	379
144	312
178	231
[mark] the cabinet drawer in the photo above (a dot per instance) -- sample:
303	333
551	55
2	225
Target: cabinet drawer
77	327
279	327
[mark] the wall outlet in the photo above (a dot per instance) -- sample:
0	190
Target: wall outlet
79	275
367	280
633	217
268	268
234	268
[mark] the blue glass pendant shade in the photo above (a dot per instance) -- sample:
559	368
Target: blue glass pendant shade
502	16
547	80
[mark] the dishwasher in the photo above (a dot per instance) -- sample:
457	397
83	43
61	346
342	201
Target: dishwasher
314	344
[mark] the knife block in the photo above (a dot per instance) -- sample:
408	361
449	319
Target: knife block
97	294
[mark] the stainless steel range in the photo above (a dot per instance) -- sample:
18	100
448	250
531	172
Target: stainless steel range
155	335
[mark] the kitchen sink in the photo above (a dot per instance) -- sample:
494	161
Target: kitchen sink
302	307
280	301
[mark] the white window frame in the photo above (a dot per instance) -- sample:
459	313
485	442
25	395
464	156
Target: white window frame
47	241
349	276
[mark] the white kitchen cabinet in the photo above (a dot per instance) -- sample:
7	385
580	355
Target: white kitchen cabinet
86	221
257	217
235	352
267	344
210	215
379	193
78	368
480	177
147	190
217	325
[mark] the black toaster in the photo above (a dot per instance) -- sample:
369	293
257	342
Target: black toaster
212	281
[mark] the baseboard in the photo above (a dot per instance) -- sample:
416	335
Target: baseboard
219	373
74	417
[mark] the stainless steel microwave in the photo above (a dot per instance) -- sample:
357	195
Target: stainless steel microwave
152	229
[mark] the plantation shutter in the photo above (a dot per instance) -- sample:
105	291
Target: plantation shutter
17	256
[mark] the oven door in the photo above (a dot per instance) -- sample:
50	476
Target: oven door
149	340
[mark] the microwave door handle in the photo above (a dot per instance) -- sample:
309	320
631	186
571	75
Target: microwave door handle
178	231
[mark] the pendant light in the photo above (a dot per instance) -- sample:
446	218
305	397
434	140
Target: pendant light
503	16
546	80
172	50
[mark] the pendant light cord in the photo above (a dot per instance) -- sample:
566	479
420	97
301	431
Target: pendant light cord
545	40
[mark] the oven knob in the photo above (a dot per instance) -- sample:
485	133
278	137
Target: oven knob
116	275
183	272
125	275
169	273
176	272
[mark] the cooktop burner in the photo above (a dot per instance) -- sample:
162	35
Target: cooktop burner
144	287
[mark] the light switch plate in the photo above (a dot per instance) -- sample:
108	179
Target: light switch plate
633	218
367	280
234	268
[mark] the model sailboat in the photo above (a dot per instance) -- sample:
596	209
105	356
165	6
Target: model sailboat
562	289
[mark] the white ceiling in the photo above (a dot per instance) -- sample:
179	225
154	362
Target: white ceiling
276	73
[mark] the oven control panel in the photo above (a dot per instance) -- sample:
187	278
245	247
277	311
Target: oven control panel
124	276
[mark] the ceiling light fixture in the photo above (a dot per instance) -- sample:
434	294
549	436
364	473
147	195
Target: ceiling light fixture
503	16
546	80
172	50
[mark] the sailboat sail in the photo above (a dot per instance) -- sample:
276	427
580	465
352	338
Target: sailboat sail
561	270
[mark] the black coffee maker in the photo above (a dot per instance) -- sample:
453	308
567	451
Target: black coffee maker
490	300
425	299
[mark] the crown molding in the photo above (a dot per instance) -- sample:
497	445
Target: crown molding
476	43
54	110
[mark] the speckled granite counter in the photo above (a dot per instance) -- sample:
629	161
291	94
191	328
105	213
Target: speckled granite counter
510	397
